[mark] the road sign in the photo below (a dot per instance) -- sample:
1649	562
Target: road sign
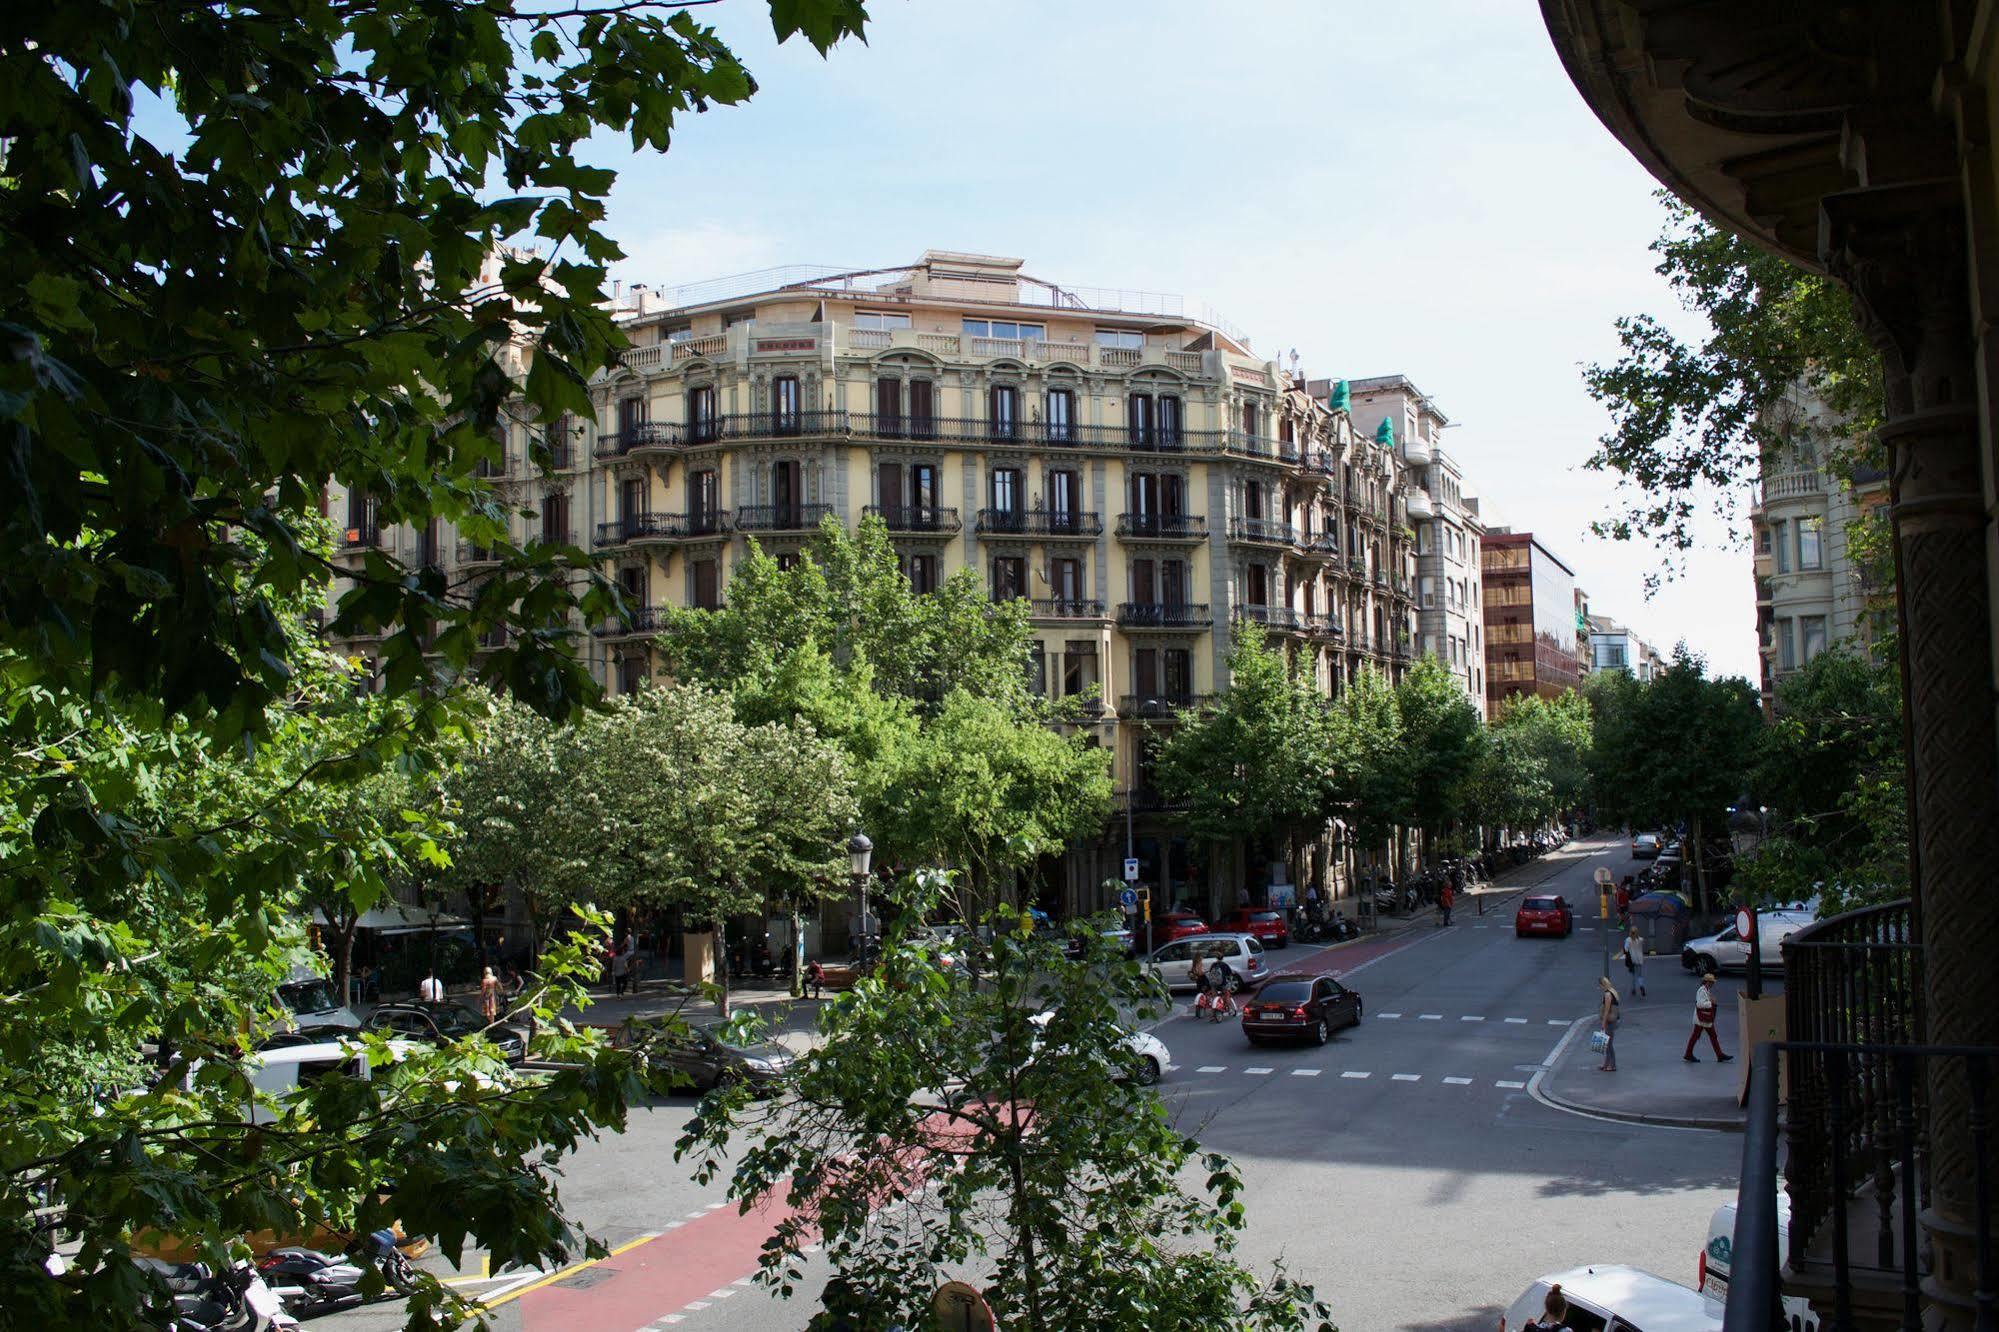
1605	877
1131	870
959	1307
1128	899
1745	924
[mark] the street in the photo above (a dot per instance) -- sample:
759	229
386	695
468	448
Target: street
1407	1168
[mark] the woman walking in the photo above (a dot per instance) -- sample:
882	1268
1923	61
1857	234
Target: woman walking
489	996
1606	1020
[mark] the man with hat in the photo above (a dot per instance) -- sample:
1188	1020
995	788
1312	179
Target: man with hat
1704	1022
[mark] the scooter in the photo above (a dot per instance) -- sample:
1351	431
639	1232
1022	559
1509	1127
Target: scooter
236	1300
309	1282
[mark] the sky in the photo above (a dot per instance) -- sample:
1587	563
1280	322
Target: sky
1413	189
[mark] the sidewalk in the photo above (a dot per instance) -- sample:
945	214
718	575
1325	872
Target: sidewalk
1653	1084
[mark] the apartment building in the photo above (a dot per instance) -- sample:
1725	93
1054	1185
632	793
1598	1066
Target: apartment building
1530	619
1813	588
1450	607
1135	472
1613	647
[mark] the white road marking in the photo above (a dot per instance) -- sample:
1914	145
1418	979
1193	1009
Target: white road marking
1458	1082
1518	1021
1352	1073
1514	1086
1258	1072
725	1293
1472	1018
696	1216
1304	1072
1212	1068
1408	1077
1429	1017
713	1206
691	1306
1558	1022
746	1281
674	1318
1384	1017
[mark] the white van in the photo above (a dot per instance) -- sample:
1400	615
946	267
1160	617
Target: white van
1711	1272
308	1000
1610	1298
1727	952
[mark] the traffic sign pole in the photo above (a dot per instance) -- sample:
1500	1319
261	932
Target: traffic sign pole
1604	878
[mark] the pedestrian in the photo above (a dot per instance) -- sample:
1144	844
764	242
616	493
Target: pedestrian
1704	1022
489	996
1444	900
1198	973
1554	1315
1634	961
618	963
1606	1022
630	953
1624	901
1221	976
815	977
430	990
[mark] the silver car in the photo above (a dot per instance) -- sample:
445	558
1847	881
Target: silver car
1173	963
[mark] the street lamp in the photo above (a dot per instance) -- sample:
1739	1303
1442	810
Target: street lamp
1754	830
861	854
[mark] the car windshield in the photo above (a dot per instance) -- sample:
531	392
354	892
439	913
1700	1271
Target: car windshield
308	996
456	1019
1285	992
1264	915
1541	904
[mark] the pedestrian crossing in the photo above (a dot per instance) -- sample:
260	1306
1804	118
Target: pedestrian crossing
1463	1017
1347	1074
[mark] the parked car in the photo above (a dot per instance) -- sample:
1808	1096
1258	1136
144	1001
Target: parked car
1621	1299
1711	1271
1266	923
1149	1059
1173	962
309	1000
1290	1006
707	1060
439	1024
1645	846
1177	925
1727	951
1544	915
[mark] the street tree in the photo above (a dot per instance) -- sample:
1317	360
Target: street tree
1508	784
1369	762
994	1129
1440	746
1559	733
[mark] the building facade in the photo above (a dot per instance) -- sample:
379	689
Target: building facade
1140	477
1530	619
1814	588
1450	606
1615	648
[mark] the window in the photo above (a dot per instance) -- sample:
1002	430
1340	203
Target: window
1178	664
427	546
1429	592
1145	672
1763	539
1079	667
1009	577
1252	499
680	334
704	501
1145	581
1811	628
1787	647
1121	339
632	585
921	571
1065	492
1810	534
631	501
922	411
631	674
1781	540
888	406
631	415
786	492
1065	579
1061	415
1004	328
1006	490
1170	419
555	520
784	405
1138	420
1037	670
1423	534
1256	585
1252	419
707	589
702	426
879	319
1003	410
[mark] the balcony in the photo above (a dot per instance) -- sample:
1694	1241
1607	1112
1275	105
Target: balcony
1261	448
799	518
1318	547
365	535
642	528
1162	527
1360	641
1158	705
1163	615
1800	483
1066	608
916	519
471	555
1039	523
651	437
638	622
1322	626
1277	619
1262	532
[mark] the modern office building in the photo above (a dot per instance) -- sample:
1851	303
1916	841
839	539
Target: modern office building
1615	648
1137	473
1450	608
1530	619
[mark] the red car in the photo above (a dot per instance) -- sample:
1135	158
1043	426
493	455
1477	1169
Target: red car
1266	923
1544	915
1177	925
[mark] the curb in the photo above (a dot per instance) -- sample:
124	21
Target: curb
1687	1123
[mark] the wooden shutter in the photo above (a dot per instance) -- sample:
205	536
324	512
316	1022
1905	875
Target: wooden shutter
922	408
891	495
1144	587
1145	672
888	405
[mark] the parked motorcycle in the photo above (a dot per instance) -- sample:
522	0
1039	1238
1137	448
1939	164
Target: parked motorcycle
204	1300
309	1282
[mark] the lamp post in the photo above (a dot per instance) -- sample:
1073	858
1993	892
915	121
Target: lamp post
860	854
1742	831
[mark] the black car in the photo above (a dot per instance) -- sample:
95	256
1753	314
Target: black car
706	1060
1293	1007
440	1024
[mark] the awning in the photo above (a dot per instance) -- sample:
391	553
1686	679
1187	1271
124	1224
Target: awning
399	918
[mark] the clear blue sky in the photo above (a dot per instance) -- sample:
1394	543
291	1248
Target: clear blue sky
1386	188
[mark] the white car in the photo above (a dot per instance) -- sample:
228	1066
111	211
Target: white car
1711	1272
1149	1058
1173	963
1727	952
1621	1299
309	1000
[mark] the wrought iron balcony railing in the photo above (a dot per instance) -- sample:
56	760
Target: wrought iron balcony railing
638	620
1164	615
1067	608
780	517
916	517
1280	618
1267	531
1038	523
1158	705
1163	526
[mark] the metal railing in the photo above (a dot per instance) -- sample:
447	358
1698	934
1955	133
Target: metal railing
780	517
1326	625
916	517
1157	705
470	552
1268	530
1164	615
1038	523
359	536
1270	617
661	527
1163	526
638	620
1066	608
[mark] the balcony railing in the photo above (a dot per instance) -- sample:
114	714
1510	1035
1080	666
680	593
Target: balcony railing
471	553
1157	705
1326	626
1266	531
1360	641
1067	608
1281	618
638	620
923	518
781	517
1163	615
661	527
1163	526
1038	523
361	536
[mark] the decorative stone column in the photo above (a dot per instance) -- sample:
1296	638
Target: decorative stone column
1902	250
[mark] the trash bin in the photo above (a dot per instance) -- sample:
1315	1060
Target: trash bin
1662	919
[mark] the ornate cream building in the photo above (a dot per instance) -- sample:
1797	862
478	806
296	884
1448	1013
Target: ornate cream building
1135	472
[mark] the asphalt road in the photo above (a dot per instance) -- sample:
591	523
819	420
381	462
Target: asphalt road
1406	1168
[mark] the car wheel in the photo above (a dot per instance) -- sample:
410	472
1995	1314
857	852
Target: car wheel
1356	1010
1148	1072
1704	964
1319	1033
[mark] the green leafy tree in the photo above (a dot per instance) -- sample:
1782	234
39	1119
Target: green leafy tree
1370	783
1508	784
1559	732
1689	418
1253	763
1009	1119
1441	744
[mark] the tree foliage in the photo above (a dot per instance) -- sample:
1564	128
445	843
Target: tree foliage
1369	768
945	1127
1688	415
1441	741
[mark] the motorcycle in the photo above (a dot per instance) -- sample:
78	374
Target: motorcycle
203	1300
309	1282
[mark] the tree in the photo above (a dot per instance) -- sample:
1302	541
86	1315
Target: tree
1508	786
1440	745
1559	733
1253	763
999	1115
1690	419
1369	774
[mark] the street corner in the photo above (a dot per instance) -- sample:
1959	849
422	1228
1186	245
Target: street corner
1652	1084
